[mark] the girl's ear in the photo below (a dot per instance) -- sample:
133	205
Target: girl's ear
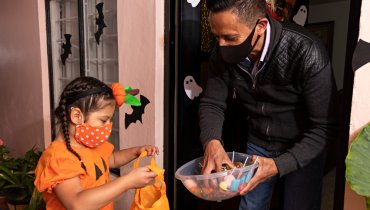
76	116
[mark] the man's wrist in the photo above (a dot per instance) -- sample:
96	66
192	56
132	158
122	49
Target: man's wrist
276	169
212	142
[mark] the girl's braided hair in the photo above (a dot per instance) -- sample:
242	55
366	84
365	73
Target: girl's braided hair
86	93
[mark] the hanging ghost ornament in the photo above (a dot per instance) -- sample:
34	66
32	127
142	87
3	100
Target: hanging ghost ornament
301	16
193	3
192	89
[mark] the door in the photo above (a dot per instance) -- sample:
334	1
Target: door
193	43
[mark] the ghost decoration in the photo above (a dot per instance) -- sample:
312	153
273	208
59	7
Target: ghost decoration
192	89
301	16
193	3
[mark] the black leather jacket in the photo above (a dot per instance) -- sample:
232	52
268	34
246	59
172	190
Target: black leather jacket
290	100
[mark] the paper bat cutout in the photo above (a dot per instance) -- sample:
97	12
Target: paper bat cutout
361	56
99	22
137	112
66	48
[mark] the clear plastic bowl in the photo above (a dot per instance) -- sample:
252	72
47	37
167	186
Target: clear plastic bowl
216	186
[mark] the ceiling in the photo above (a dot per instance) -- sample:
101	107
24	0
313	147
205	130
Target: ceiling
312	2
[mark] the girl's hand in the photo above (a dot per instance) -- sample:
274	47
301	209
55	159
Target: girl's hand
140	177
151	150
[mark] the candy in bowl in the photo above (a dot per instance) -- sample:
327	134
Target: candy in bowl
221	185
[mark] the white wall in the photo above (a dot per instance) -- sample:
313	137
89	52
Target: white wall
338	12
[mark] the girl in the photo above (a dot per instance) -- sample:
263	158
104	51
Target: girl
73	172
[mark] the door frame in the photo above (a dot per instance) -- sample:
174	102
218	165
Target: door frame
170	69
352	38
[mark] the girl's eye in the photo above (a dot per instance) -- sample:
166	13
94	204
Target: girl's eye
105	120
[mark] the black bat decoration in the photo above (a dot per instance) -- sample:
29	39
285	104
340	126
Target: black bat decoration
66	48
137	112
99	22
361	56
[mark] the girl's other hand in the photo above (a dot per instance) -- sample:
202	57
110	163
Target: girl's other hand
140	177
151	150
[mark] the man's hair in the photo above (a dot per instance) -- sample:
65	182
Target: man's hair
248	11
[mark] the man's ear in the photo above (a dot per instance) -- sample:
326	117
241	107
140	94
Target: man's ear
76	116
262	26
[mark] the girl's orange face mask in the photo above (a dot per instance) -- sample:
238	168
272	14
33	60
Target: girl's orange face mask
92	136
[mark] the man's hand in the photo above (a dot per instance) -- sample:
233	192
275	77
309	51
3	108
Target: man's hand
214	157
266	169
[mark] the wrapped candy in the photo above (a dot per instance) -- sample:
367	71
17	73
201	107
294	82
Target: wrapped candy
228	179
190	183
235	185
223	186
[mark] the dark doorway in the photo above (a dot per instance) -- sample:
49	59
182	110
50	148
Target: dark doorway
186	55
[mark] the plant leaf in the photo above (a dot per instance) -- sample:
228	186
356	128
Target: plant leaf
5	177
36	201
6	170
14	186
357	163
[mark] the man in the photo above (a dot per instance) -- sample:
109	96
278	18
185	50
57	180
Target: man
282	75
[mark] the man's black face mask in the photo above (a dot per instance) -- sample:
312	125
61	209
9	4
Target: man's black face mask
234	54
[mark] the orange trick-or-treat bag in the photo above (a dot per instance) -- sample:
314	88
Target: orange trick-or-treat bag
151	197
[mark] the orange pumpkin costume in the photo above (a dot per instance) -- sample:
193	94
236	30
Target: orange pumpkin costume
57	164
